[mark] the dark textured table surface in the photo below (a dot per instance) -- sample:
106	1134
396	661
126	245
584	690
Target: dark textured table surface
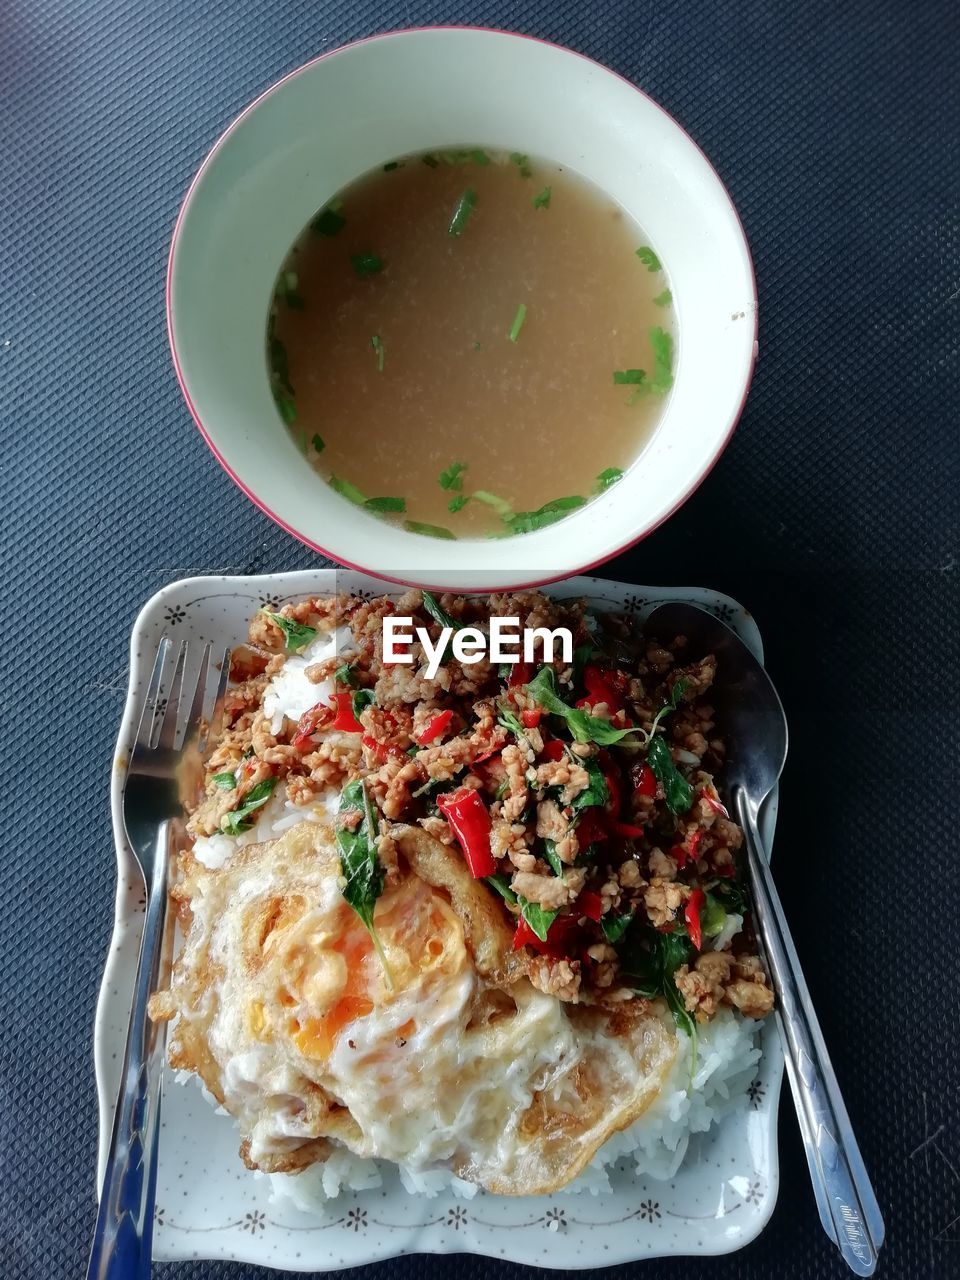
833	515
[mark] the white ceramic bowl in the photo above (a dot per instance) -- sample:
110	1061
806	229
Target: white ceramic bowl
348	111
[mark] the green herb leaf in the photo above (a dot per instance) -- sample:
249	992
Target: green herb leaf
224	781
360	699
663	299
430	161
366	264
583	726
535	916
452	478
676	789
328	222
522	162
607	477
676	693
429	530
542	201
318	443
500	505
458	503
596	792
239	820
502	885
344	674
662	379
437	612
549	513
391	165
347	490
550	853
465	206
509	721
386	504
359	864
712	917
649	258
296	635
629	377
518	320
378	348
285	403
614	927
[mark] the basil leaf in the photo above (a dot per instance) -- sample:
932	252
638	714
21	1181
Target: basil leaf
583	726
344	674
296	635
649	258
225	781
452	477
676	693
437	612
614	927
597	792
550	853
361	698
238	820
676	789
502	885
359	864
535	916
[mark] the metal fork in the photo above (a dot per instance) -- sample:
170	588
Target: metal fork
151	802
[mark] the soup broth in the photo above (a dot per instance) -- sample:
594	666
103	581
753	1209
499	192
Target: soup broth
471	344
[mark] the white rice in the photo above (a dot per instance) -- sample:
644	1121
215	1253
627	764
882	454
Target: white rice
727	1054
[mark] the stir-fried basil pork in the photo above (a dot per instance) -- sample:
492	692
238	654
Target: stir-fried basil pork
582	793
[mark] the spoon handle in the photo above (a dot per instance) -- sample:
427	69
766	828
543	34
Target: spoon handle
842	1186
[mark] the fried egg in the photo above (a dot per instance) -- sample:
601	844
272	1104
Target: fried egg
441	1054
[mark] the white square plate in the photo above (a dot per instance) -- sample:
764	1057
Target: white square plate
210	1206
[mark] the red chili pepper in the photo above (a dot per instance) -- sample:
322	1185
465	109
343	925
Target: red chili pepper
691	913
469	821
309	723
345	719
679	854
553	750
590	904
600	687
693	842
612	778
435	727
519	674
646	784
627	831
531	718
592	827
560	940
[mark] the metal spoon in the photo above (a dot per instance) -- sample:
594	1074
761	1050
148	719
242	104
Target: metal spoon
753	718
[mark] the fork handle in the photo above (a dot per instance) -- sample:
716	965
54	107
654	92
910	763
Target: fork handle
841	1183
124	1231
